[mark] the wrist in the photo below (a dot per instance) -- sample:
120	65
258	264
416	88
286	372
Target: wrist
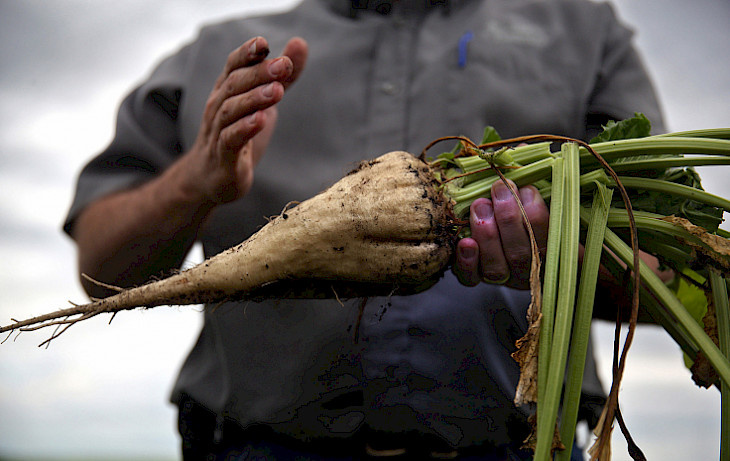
184	192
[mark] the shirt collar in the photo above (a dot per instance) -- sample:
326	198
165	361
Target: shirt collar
385	7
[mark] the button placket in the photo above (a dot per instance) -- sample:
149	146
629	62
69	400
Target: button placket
389	88
387	112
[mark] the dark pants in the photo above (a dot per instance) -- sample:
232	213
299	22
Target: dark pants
208	437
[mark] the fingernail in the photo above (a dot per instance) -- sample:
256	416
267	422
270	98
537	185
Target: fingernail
467	252
252	119
501	192
483	211
278	67
527	195
268	90
258	49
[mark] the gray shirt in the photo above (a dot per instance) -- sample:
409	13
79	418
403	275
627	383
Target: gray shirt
439	361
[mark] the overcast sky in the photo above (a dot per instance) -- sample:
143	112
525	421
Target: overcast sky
101	390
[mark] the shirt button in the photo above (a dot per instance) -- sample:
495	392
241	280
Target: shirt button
389	88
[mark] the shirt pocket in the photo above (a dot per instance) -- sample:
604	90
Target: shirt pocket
510	76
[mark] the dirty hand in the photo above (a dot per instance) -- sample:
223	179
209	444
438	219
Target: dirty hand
499	249
239	119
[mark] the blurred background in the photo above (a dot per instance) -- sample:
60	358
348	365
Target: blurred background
101	391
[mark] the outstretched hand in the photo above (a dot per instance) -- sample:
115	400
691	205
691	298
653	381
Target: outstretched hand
239	119
499	249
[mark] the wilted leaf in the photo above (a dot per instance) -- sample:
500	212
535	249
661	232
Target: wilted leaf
601	448
703	373
716	249
526	356
531	441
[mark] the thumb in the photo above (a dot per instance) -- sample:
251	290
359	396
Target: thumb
297	50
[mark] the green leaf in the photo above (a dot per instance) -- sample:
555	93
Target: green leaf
448	157
490	135
703	215
692	297
637	126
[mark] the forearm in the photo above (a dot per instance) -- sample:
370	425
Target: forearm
126	238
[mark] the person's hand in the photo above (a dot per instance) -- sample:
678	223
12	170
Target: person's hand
239	119
499	249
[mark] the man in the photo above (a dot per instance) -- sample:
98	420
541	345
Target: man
431	374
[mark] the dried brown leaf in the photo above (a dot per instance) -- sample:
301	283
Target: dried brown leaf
526	356
601	448
716	249
531	441
703	373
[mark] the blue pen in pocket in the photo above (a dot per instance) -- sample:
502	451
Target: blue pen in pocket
463	47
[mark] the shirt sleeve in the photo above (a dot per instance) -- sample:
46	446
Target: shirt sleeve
146	139
623	85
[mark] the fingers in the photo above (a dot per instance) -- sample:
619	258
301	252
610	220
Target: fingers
466	268
515	239
244	72
255	51
284	71
485	231
248	85
233	137
252	52
503	249
239	117
296	49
